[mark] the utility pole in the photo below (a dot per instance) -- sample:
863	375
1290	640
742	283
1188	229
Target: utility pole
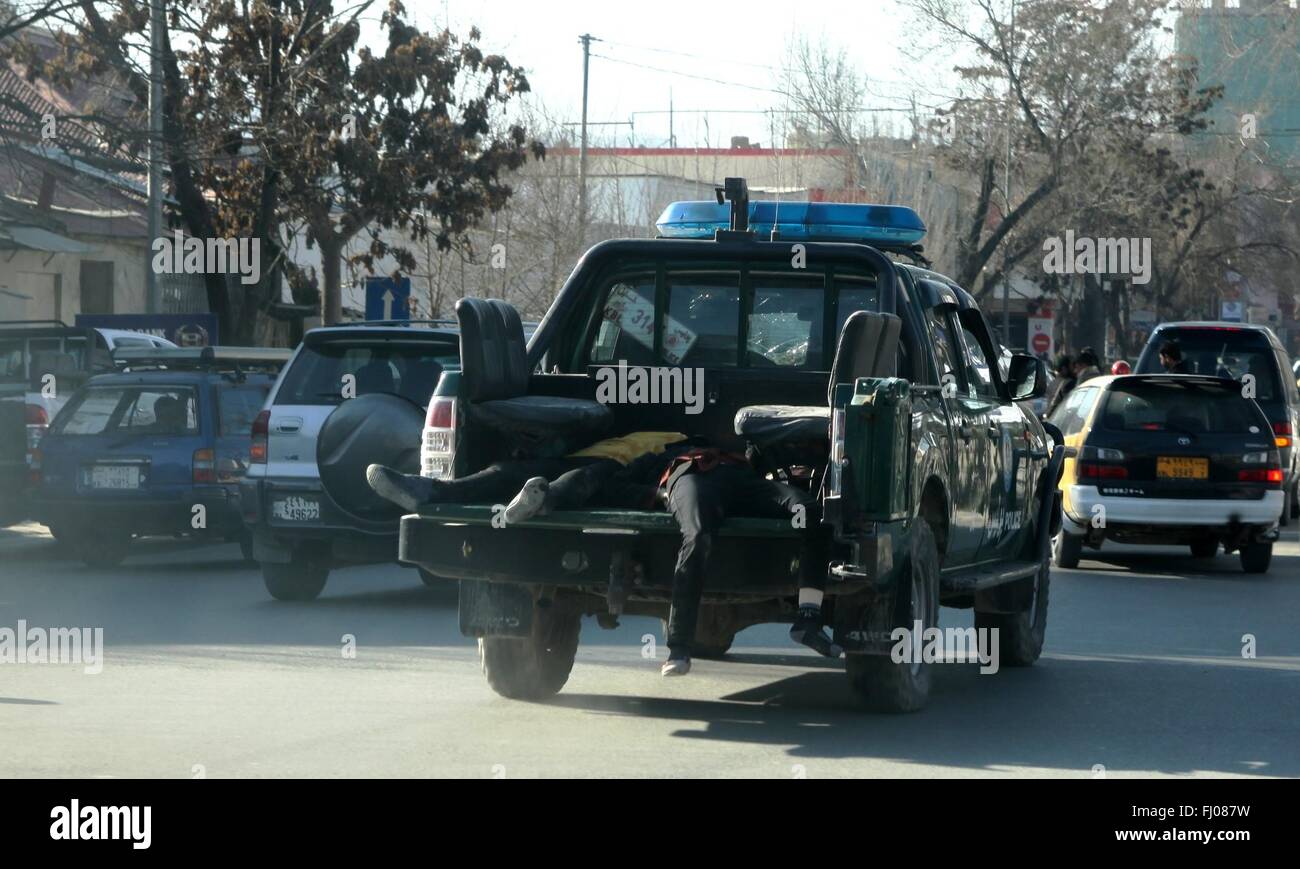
153	295
1006	242
586	40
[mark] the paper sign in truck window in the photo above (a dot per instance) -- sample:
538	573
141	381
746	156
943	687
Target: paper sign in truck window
635	316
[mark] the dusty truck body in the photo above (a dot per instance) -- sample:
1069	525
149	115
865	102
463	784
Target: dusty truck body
936	484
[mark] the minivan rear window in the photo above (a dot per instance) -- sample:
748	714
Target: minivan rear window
1184	407
1232	353
330	371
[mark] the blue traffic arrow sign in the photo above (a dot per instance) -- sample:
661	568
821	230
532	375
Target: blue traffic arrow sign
387	299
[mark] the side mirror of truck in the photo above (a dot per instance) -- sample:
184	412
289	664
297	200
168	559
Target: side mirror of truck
1026	377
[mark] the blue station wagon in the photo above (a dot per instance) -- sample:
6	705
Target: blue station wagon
158	448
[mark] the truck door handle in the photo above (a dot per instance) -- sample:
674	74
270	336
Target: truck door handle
288	426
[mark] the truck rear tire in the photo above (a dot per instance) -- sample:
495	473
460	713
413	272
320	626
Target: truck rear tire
1066	549
1256	557
1021	635
302	579
882	684
537	666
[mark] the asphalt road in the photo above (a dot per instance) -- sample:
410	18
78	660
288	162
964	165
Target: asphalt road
204	675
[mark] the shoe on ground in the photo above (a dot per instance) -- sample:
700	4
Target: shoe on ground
813	635
675	667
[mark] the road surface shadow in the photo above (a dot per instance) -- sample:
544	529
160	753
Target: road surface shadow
1132	715
1221	567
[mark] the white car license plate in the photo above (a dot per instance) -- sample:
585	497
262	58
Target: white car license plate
296	509
115	477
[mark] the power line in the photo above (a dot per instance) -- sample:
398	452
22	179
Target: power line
692	75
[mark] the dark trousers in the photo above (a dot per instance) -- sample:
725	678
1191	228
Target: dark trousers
700	501
575	483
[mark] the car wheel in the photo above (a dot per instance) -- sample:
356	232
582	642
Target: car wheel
1205	548
882	684
537	666
1255	557
100	548
302	579
1021	635
245	540
1066	549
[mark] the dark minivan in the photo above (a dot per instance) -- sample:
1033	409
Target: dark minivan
1235	350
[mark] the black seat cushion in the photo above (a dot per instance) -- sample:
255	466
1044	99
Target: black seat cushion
767	424
867	347
493	352
494	385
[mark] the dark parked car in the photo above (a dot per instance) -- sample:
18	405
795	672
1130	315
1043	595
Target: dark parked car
1238	350
1169	459
158	448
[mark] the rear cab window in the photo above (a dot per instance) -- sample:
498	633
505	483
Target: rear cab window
324	370
163	411
758	318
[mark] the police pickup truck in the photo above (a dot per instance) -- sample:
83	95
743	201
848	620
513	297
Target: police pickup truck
936	479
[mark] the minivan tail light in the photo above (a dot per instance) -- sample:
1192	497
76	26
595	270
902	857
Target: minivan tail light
1260	475
205	466
438	450
261	430
1095	471
1283	434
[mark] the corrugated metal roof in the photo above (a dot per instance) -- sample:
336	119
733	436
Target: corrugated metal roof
35	238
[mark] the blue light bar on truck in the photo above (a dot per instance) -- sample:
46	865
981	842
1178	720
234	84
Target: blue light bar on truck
796	221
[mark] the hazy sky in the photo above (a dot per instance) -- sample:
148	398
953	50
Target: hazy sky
645	43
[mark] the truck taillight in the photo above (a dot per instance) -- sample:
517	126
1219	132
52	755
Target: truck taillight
205	466
1282	434
835	471
261	431
38	423
438	451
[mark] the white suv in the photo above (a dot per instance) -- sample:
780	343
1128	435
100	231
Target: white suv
352	394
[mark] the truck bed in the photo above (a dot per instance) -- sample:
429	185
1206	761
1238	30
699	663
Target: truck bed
593	521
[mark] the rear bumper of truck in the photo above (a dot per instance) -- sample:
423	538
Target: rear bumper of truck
751	559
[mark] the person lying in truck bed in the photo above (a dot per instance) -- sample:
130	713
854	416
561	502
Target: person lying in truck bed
699	484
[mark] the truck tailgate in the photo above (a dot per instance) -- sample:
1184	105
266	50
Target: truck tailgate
577	548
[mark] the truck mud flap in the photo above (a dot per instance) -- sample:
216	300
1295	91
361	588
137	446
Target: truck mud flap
1049	508
494	609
